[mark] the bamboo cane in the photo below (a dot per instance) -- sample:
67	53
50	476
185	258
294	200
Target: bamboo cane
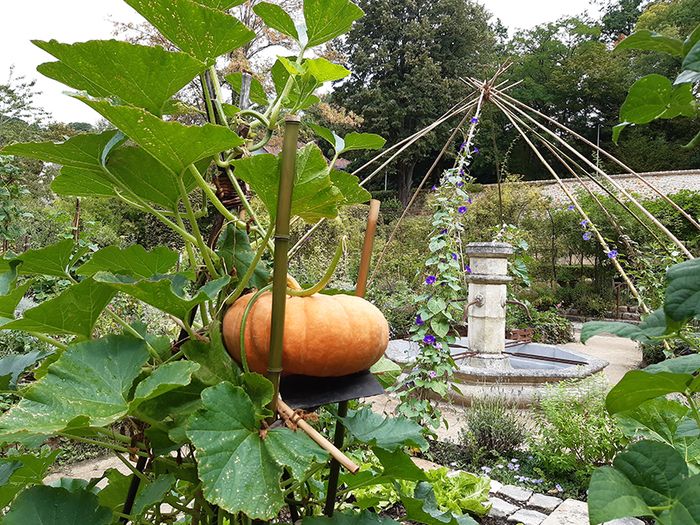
279	283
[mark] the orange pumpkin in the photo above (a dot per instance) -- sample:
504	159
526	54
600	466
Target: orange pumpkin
324	335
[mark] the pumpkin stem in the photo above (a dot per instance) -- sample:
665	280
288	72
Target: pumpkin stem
325	279
292	283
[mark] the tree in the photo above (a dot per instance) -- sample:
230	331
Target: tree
20	117
406	58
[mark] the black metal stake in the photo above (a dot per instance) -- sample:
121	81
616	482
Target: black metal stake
133	489
338	440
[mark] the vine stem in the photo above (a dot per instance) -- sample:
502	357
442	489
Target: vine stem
133	469
49	340
211	195
195	228
326	277
122	322
693	407
244	200
244	320
110	446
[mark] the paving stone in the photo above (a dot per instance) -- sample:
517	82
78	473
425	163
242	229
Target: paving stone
545	503
625	521
501	508
518	494
527	517
571	512
495	486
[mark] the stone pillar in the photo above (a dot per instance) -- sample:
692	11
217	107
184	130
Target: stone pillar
486	312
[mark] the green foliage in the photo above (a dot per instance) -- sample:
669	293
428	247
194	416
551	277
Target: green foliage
653	96
492	429
548	327
575	433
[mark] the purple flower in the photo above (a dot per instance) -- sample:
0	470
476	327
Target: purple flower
454	256
584	222
460	184
434	188
587	236
476	150
429	339
464	145
469	200
474	120
468	269
432	374
559	487
419	320
462	210
443	231
431	279
486	470
571	207
612	254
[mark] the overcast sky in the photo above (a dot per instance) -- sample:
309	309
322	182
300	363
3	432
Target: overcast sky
78	20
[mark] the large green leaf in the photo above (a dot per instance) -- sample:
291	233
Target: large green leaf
306	79
384	432
8	277
152	493
148	178
648	479
82	151
143	76
349	186
276	18
114	494
166	378
691	62
682	300
90	381
234	248
638	386
423	508
12	366
363	518
174	145
652	97
73	312
134	261
52	260
57	506
257	91
78	182
27	470
652	326
396	465
9	302
201	31
221	5
215	363
667	421
230	446
649	40
165	292
327	19
314	195
362	141
687	364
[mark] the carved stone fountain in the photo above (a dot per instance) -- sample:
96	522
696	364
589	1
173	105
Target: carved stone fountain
489	365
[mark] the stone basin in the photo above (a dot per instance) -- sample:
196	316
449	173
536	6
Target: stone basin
519	374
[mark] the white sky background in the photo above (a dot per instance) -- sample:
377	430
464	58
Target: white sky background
78	20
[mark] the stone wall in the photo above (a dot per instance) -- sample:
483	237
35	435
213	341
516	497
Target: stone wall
667	182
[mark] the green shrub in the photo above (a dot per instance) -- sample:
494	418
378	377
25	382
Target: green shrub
548	327
492	429
540	295
575	431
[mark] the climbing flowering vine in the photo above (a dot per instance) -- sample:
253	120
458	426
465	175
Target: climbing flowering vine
440	297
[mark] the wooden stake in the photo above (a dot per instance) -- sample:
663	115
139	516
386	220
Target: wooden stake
366	258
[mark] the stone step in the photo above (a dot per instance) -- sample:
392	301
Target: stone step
575	512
